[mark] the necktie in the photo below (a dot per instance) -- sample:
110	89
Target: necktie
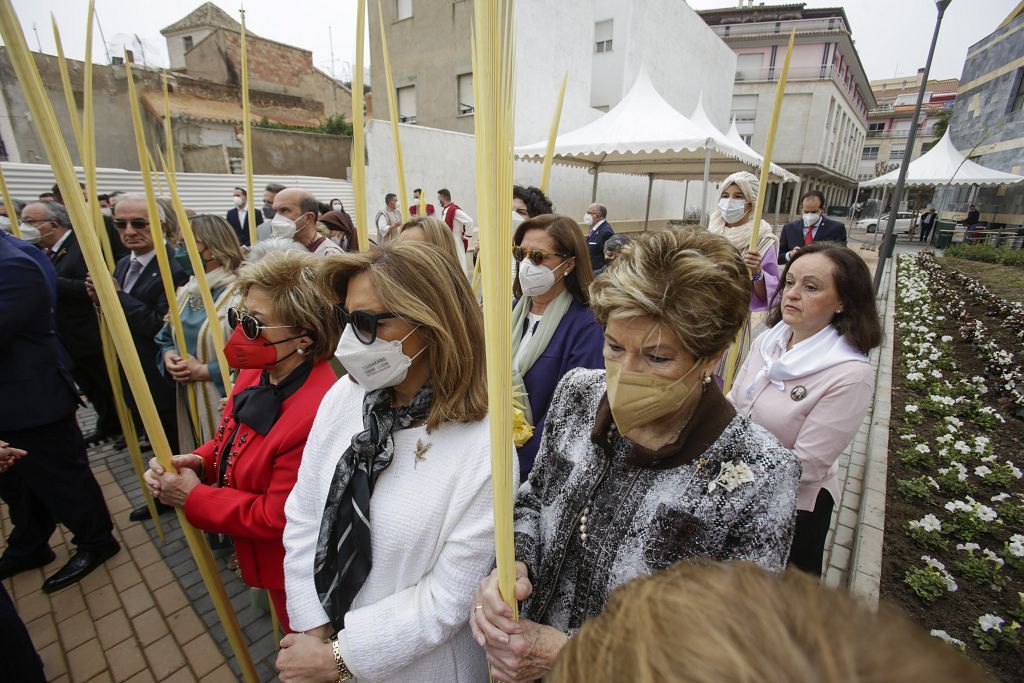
809	237
49	253
134	268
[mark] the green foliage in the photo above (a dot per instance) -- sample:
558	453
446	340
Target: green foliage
987	253
980	570
333	125
930	540
993	638
916	490
925	582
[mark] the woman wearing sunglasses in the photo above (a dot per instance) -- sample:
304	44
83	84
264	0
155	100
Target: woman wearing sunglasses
392	515
199	373
553	328
236	483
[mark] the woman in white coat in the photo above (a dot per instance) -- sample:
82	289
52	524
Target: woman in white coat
390	522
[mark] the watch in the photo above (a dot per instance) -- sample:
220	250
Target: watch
343	672
758	277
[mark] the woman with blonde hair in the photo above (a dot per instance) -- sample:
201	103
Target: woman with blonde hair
199	373
733	218
432	231
710	622
236	484
644	464
397	471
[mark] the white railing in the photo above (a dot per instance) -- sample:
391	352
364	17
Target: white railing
782	27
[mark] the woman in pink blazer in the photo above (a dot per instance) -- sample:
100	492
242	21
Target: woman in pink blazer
808	381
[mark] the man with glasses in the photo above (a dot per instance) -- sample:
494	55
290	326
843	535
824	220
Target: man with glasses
141	292
600	232
77	325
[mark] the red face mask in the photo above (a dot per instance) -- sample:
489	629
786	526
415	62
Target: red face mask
258	354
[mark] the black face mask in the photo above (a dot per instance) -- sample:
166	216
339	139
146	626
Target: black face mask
268	211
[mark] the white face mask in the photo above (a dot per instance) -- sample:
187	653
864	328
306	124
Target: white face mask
536	280
588	219
29	233
732	210
5	223
811	218
237	201
516	221
374	366
282	226
336	206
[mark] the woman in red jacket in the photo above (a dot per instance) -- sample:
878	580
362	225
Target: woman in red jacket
237	483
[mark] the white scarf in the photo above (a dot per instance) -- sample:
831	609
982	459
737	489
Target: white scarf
740	235
216	278
820	352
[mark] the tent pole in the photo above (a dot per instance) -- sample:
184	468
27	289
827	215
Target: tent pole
686	196
881	210
793	205
778	202
593	192
704	194
650	186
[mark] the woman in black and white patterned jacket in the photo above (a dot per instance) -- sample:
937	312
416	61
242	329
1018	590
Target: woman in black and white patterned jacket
646	463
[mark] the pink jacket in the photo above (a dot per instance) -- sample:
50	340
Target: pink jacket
818	426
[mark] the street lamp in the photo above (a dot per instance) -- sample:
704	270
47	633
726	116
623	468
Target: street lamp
889	241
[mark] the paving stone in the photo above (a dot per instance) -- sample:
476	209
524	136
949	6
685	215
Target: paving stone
102	601
53	660
113	628
157	575
77	629
170	598
840	557
165	657
104	677
43	631
185	625
126	659
222	674
34	605
86	661
125	576
142	677
203	655
137	599
848	517
150	626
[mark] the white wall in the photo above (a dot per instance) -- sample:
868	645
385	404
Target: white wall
176	45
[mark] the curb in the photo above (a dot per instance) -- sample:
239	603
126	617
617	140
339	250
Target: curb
866	562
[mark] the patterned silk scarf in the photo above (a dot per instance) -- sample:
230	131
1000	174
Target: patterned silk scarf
343	550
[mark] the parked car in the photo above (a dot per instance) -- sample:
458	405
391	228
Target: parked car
905	220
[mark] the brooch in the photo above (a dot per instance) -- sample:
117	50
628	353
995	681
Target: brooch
421	451
798	393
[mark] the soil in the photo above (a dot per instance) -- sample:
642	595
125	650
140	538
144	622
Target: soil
954	612
1004	281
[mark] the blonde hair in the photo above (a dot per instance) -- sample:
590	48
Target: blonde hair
172	231
435	233
711	622
424	287
219	237
290	280
689	279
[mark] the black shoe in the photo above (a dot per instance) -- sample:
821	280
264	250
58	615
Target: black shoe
9	566
97	436
142	512
79	566
120	444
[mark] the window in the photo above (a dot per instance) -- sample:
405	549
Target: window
880	126
465	89
749	66
403	9
603	36
1017	98
744	108
188	43
748	138
869	154
896	154
407	104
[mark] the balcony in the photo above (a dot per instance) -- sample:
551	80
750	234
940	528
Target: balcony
775	28
826	72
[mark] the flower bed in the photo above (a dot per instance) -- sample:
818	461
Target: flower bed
953	555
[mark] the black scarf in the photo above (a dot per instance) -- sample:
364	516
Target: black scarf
260	405
343	551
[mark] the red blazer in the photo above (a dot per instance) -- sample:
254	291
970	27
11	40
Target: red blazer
260	474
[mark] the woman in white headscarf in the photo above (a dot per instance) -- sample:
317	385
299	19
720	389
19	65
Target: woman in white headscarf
733	218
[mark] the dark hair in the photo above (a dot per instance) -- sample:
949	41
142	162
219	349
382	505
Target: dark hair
603	210
418	189
389	196
102	197
615	243
445	193
859	321
322	208
568	240
813	193
46	195
242	190
309	204
537	203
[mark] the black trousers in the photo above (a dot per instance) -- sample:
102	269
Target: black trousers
21	663
925	231
809	539
52	484
90	374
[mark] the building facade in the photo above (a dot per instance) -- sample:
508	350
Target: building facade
890	121
823	121
987	123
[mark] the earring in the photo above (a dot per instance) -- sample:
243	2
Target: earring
706	379
300	351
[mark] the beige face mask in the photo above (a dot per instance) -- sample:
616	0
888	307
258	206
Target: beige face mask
639	398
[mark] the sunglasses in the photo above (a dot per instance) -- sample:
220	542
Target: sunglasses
364	323
137	223
251	327
537	256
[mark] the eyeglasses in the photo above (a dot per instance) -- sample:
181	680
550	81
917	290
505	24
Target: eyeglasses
364	323
537	256
136	223
251	327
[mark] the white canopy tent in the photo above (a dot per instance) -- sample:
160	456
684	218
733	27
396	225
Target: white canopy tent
644	135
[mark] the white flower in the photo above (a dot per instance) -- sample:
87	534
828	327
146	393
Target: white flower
909	437
990	459
932	562
915	377
982	471
922	448
945	438
969	547
991	556
1017	538
1015	548
1000	498
910	408
962	447
987	622
1014	469
934	484
985	513
731	476
936	374
930	523
942	635
946	338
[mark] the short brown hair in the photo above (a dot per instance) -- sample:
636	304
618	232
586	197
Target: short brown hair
568	240
689	279
704	622
424	287
290	280
436	233
220	238
859	321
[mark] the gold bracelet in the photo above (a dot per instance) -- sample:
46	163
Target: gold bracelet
343	673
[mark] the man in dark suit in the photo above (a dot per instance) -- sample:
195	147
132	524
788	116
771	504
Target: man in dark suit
238	216
811	227
600	232
77	324
115	242
141	292
52	483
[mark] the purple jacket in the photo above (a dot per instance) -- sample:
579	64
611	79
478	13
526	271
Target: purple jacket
577	343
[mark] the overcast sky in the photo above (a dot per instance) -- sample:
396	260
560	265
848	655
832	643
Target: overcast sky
892	36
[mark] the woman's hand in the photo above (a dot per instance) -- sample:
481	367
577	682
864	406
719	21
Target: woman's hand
305	659
188	370
9	455
528	656
173	489
753	261
174	365
491	620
